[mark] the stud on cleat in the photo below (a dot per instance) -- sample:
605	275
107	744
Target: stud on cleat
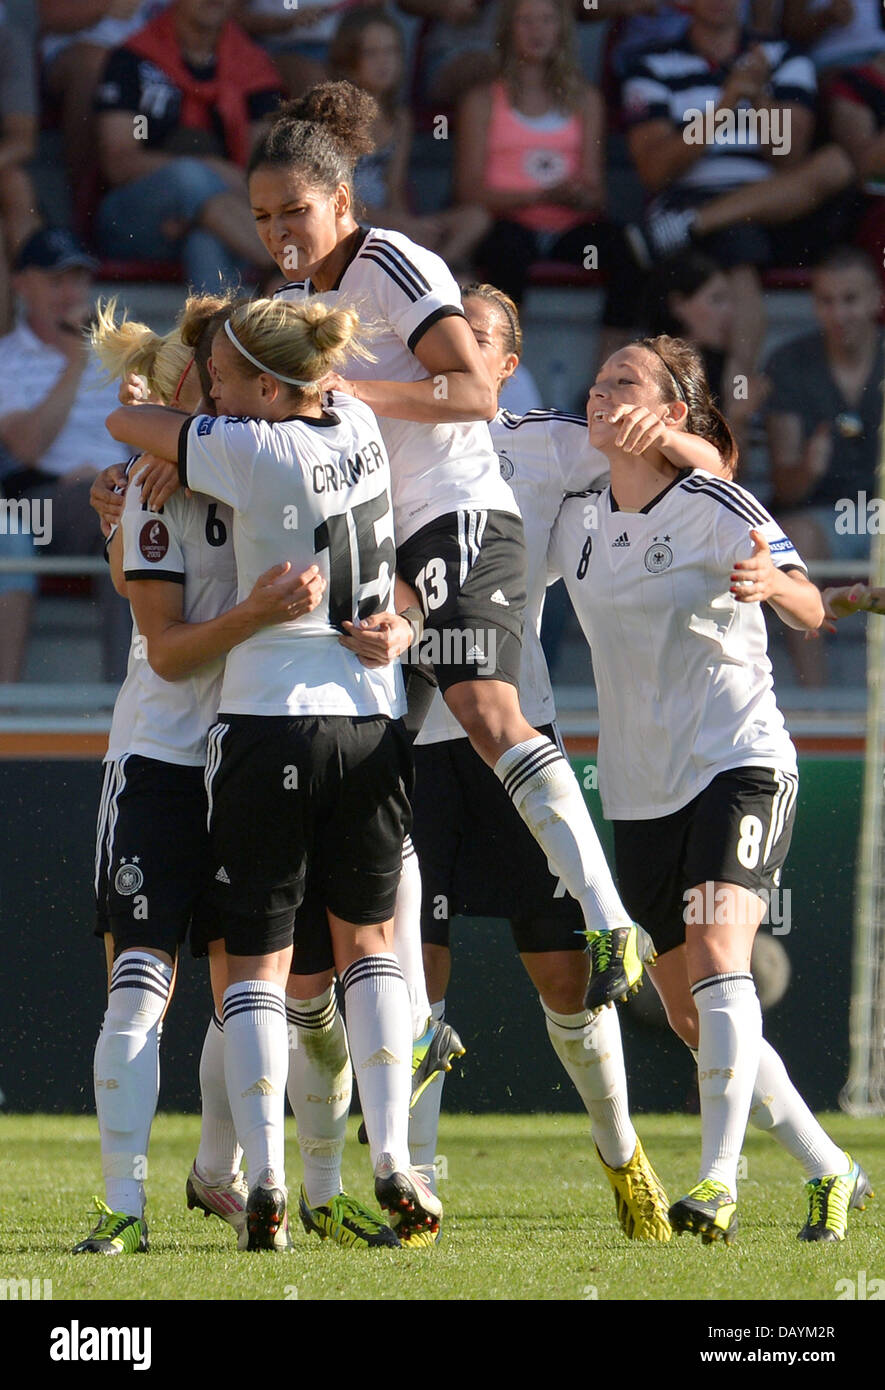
415	1211
267	1222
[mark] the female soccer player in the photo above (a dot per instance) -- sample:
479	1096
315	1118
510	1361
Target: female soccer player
476	855
696	768
459	535
308	765
152	845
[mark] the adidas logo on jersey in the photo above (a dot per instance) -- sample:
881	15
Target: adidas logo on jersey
382	1058
623	539
262	1087
498	597
221	876
476	655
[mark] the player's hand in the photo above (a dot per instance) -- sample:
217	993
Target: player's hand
842	602
133	390
334	382
640	429
159	479
106	495
755	580
278	596
379	639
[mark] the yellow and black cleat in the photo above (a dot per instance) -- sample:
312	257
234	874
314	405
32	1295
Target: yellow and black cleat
709	1211
641	1202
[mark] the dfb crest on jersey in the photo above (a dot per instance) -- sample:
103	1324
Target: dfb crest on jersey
128	879
506	466
658	557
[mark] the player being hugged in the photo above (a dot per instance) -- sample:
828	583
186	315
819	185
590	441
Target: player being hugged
177	569
667	569
459	535
308	765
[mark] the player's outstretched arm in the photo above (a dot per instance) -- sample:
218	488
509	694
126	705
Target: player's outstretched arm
176	648
790	592
851	598
148	429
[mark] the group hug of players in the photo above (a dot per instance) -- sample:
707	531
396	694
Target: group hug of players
336	731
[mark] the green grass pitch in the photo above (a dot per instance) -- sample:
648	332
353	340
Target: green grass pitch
529	1215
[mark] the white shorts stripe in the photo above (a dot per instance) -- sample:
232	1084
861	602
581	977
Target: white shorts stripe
213	761
464	566
119	784
109	775
784	797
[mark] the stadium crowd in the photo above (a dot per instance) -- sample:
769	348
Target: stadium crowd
682	157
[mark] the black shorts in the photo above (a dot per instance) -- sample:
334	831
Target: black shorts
478	856
152	855
469	571
323	798
737	830
312	946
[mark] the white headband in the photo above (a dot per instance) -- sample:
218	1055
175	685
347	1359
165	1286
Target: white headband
290	380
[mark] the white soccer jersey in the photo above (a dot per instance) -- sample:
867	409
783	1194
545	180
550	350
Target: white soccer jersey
188	542
681	668
542	455
311	491
402	290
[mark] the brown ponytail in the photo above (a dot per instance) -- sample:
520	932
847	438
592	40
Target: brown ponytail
682	377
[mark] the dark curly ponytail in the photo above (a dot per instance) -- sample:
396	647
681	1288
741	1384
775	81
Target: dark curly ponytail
320	136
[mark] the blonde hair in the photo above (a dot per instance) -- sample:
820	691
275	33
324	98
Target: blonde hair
306	340
129	346
508	314
199	321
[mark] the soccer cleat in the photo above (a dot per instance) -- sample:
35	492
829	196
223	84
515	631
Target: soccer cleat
224	1199
415	1212
347	1222
267	1222
117	1233
709	1210
830	1199
640	1199
616	961
434	1051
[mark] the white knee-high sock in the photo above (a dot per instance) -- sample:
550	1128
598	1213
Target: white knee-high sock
589	1047
730	1035
379	1029
424	1120
545	792
319	1089
219	1155
127	1074
407	939
256	1063
779	1109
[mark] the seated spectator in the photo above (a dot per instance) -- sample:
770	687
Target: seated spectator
725	187
456	47
647	24
530	149
823	418
77	37
367	50
298	37
180	105
837	33
53	405
857	123
19	117
690	297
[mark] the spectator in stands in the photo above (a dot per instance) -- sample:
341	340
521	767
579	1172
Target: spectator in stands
180	105
77	37
720	128
857	122
19	119
823	419
456	47
53	401
837	33
655	23
530	149
690	297
367	50
298	37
